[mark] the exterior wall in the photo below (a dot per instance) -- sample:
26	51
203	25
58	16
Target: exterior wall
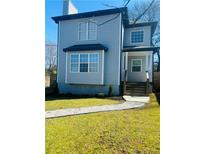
108	34
139	76
87	89
84	77
147	36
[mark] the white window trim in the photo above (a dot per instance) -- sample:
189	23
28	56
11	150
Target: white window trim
137	30
102	67
137	65
88	62
87	31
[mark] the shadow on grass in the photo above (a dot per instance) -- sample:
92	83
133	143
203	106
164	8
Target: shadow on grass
56	96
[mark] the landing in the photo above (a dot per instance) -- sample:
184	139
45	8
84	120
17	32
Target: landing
144	99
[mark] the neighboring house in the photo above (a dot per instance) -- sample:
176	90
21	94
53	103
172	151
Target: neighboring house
50	55
100	49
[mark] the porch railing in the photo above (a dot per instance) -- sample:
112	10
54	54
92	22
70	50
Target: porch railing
147	82
124	82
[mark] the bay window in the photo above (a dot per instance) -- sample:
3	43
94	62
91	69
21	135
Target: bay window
84	62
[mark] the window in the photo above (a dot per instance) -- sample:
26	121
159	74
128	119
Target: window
87	31
137	65
93	67
74	63
82	31
137	36
84	62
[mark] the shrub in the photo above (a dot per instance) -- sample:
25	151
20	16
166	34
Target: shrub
101	95
110	91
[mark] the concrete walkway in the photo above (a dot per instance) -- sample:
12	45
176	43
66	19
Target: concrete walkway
84	110
142	99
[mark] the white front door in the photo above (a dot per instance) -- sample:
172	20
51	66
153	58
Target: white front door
136	69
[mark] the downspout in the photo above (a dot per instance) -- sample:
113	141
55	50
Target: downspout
57	61
121	53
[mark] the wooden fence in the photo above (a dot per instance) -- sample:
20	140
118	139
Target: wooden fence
50	83
157	80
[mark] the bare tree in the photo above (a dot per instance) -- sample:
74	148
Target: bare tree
148	11
50	57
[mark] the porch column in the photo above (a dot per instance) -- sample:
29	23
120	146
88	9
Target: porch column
147	63
126	60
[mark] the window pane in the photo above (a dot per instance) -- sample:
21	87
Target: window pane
92	26
83	67
74	58
136	69
92	30
84	58
74	67
136	62
82	35
93	67
82	27
94	58
137	37
92	35
74	63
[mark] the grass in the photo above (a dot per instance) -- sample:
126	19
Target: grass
75	103
121	132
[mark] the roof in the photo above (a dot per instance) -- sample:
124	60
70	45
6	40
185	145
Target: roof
86	47
139	48
122	10
153	25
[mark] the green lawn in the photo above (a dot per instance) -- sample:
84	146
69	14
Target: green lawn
74	103
129	131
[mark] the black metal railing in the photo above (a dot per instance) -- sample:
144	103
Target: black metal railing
124	82
147	82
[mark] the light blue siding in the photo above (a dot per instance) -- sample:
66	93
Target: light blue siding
109	35
147	34
87	89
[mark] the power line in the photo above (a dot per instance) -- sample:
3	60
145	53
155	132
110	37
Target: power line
144	11
128	1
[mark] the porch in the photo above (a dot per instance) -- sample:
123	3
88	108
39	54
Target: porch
137	70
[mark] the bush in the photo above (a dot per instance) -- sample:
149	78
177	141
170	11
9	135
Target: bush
101	95
110	93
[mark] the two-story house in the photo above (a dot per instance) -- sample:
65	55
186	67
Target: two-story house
100	49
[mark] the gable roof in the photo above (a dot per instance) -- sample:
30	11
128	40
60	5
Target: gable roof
153	25
86	47
122	10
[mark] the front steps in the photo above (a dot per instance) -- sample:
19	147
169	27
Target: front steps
135	89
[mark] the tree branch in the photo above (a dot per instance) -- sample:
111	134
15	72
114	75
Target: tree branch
144	11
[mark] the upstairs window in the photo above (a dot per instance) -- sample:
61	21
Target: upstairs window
87	31
82	31
137	36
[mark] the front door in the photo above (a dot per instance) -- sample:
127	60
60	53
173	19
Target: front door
136	69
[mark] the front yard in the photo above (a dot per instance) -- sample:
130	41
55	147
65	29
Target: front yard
128	131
